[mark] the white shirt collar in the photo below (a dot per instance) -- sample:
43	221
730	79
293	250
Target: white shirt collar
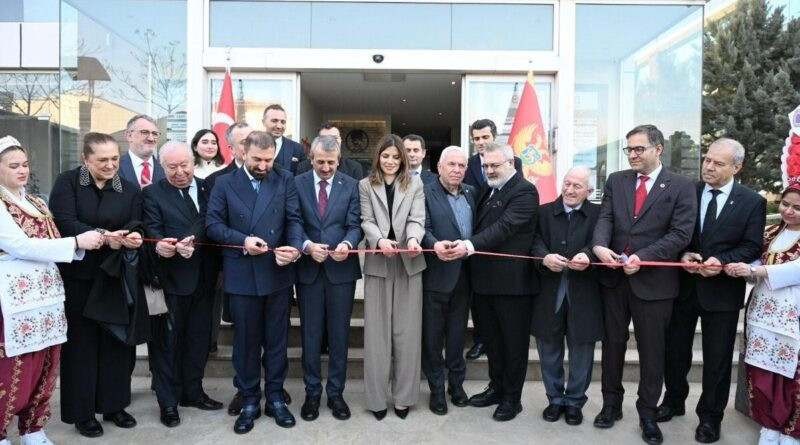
568	209
418	171
653	174
725	189
317	178
137	161
249	176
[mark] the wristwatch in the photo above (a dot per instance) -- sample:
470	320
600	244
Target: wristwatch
752	271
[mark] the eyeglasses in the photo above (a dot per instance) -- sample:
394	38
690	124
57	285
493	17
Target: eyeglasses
146	133
493	166
639	149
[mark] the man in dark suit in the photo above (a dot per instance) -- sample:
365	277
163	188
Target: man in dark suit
174	211
729	229
647	214
347	166
327	274
449	211
415	149
288	153
138	165
569	304
256	207
482	132
235	135
505	222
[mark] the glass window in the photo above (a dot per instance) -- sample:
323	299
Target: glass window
29	11
525	27
637	64
260	24
252	96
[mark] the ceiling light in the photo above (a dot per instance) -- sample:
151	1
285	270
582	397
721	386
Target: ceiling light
403	100
453	82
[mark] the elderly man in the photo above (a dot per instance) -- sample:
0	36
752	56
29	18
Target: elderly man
347	166
235	135
569	305
327	275
505	222
138	165
723	234
174	211
256	207
415	149
449	211
288	153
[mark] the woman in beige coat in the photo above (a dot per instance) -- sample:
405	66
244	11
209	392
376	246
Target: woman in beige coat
392	217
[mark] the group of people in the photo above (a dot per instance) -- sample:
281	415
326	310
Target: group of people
154	248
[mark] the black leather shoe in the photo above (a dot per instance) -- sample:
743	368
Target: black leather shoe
553	412
665	413
475	351
246	419
89	428
379	414
486	398
507	411
278	410
707	432
204	403
573	415
170	417
121	419
310	409
402	413
651	433
339	408
608	415
458	396
438	403
235	407
287	398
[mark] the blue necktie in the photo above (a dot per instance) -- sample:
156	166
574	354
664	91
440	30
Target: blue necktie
256	184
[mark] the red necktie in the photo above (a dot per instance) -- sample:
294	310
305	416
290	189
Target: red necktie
322	198
145	179
640	195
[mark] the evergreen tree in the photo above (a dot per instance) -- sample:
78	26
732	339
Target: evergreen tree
751	81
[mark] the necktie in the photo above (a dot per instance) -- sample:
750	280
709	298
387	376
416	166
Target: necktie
561	293
256	184
640	195
189	202
145	178
415	173
322	198
711	211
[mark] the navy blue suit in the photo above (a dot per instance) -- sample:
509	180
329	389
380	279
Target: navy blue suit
257	286
428	176
325	290
126	170
291	154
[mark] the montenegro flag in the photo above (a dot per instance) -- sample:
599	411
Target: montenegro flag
529	141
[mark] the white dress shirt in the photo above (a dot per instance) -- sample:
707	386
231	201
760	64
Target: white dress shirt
651	178
137	166
705	199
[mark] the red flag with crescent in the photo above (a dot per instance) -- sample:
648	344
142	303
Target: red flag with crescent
224	117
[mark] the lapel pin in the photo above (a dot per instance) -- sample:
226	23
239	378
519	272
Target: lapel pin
662	185
731	202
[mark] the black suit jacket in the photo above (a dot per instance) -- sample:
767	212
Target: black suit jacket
291	154
347	166
505	223
167	215
567	237
661	232
737	237
212	178
441	224
428	176
474	175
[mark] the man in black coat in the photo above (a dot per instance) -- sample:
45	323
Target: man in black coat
288	153
174	211
235	136
505	222
569	303
347	166
647	214
729	229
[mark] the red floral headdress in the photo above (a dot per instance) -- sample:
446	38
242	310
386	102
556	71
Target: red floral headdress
790	160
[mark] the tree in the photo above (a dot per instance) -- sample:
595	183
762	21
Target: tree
751	76
28	93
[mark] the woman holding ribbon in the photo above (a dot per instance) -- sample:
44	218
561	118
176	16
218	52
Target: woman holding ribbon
32	320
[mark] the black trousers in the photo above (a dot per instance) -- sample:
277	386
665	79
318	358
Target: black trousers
505	329
650	321
719	338
179	350
95	367
444	324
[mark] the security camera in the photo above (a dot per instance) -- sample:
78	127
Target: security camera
377	58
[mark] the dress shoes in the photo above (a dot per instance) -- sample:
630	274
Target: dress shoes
121	419
475	351
235	407
507	411
438	403
248	415
286	397
707	432
402	413
665	412
339	407
310	408
651	433
458	396
379	415
170	417
486	398
553	412
89	428
573	415
204	403
278	411
608	415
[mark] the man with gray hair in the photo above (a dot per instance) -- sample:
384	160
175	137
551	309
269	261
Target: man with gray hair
722	234
138	165
235	136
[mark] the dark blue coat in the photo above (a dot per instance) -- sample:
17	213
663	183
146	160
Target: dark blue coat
126	170
291	154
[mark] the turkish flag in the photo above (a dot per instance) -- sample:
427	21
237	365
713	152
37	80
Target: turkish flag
529	141
224	117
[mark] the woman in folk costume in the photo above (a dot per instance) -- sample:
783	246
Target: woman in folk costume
32	320
773	328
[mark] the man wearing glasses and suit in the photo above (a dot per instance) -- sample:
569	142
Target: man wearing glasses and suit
138	165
